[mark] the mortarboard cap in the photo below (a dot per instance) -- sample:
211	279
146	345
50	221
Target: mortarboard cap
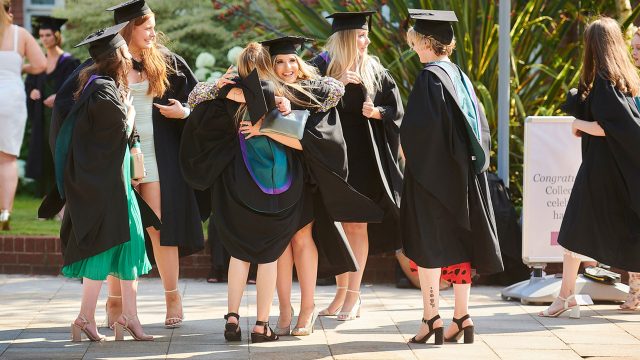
48	23
258	95
434	23
285	45
104	41
353	20
129	10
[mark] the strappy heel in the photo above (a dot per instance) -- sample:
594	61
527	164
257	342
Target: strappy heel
176	321
467	331
284	331
259	338
439	333
326	312
575	309
119	329
77	330
308	329
110	320
232	332
355	311
5	220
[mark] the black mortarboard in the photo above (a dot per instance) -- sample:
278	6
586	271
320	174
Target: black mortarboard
47	22
129	10
104	41
285	45
434	23
258	95
353	20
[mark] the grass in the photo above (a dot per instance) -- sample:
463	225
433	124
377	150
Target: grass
24	219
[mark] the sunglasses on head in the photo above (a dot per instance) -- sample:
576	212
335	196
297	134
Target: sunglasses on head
7	7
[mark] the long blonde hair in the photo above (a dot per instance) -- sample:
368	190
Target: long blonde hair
305	72
343	50
5	20
605	54
154	59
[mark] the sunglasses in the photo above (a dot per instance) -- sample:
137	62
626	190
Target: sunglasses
7	7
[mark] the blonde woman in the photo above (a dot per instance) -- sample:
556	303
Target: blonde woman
15	45
370	114
603	224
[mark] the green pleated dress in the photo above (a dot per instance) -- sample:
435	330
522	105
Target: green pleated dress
126	261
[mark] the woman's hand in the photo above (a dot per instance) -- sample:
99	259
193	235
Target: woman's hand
226	78
283	104
35	94
574	129
369	110
174	110
128	103
578	127
350	77
249	130
48	102
135	183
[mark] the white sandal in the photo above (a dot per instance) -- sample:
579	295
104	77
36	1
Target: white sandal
326	312
355	311
575	309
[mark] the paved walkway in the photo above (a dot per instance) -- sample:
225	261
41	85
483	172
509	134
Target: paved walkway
36	313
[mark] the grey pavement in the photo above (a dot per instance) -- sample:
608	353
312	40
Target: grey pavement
37	312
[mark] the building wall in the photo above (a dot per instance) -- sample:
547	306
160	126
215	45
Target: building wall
17	7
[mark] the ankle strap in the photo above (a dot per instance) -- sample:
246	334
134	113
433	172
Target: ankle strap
353	291
431	321
115	296
232	314
170	291
460	321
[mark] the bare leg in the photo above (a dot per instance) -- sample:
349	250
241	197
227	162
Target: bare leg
265	286
283	285
8	180
236	282
114	300
461	294
167	258
359	242
570	266
305	255
90	293
430	287
129	289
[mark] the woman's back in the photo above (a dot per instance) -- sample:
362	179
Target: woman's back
10	58
13	106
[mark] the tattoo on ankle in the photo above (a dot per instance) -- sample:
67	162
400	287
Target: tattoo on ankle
432	299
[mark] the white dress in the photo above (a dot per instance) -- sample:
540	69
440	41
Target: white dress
13	99
143	103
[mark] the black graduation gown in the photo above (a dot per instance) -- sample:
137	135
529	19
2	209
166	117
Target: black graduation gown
602	218
446	212
373	148
38	149
183	209
96	217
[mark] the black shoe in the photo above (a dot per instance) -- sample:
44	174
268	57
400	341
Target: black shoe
258	338
439	332
232	332
467	331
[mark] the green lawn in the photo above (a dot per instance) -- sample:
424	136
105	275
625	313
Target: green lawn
24	219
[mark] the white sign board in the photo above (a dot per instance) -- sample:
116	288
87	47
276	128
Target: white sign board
552	156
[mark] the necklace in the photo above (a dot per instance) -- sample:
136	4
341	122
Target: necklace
137	66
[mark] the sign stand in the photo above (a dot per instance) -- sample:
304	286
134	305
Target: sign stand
552	156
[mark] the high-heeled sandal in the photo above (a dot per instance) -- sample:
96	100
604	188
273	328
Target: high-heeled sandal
575	309
633	299
308	329
111	320
326	312
355	311
467	331
439	333
232	332
77	330
5	220
119	329
259	338
175	321
284	331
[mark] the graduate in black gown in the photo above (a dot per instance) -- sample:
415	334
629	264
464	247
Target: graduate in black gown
370	114
602	219
41	93
102	231
447	220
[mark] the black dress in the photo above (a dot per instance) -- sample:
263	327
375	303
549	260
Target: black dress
602	219
183	209
39	161
373	154
447	216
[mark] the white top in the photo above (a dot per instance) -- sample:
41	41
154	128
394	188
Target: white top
143	103
13	99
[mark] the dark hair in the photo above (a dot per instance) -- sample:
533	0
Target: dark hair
115	65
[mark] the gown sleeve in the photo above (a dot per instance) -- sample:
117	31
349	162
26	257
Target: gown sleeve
389	103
